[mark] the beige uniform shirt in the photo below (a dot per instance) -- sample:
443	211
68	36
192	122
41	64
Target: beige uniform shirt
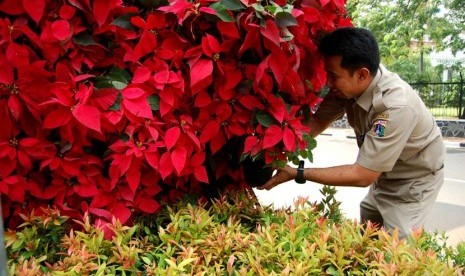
396	133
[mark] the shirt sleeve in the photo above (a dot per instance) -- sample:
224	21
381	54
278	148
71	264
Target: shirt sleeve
386	139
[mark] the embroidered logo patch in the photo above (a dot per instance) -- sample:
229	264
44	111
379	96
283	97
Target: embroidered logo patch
382	116
379	128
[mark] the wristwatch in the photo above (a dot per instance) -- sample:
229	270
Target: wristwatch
300	173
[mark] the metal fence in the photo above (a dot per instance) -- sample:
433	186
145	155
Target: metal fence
443	99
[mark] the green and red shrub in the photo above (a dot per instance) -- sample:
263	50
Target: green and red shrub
110	107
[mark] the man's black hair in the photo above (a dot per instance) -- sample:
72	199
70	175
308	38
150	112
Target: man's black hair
357	46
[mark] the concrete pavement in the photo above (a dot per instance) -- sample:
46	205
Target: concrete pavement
337	147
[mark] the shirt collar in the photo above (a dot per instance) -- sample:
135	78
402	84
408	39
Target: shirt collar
366	99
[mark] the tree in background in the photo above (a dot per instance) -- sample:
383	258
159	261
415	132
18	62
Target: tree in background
407	31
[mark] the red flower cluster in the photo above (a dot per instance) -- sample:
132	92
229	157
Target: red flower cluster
109	106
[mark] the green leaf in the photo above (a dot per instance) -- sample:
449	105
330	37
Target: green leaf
233	5
146	260
154	102
84	39
285	19
119	74
102	82
258	7
117	104
222	12
265	119
123	21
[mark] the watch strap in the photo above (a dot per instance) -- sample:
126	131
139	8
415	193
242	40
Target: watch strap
300	173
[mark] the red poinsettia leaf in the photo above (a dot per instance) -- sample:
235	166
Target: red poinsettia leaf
153	133
139	107
271	32
101	10
62	30
324	2
210	130
311	14
225	94
251	102
293	83
100	200
57	118
86	190
217	142
133	93
80	4
273	135
12	7
250	143
202	99
289	139
87	115
17	54
210	45
262	67
141	75
166	166
194	139
15	106
207	10
17	188
6	71
171	137
104	98
168	96
152	159
179	8
121	212
148	205
133	175
101	213
277	108
24	160
201	75
179	159
200	173
228	29
279	65
67	12
236	128
124	162
165	108
35	9
114	117
197	159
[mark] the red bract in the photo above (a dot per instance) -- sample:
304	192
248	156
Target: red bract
108	109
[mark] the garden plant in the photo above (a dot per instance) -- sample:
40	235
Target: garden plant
230	235
111	107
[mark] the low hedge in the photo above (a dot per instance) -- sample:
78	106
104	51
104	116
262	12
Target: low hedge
231	235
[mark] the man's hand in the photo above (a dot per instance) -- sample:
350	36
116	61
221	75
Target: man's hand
283	175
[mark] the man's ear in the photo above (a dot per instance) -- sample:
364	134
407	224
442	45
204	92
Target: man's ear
363	74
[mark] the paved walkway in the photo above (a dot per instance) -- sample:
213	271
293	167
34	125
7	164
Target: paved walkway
336	147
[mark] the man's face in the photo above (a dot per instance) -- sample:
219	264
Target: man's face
341	81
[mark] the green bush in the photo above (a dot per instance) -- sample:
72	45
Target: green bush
232	235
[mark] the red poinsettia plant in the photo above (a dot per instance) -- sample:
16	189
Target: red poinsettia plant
110	106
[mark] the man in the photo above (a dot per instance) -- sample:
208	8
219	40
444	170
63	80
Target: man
401	152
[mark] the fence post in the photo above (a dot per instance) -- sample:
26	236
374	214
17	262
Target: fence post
461	111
